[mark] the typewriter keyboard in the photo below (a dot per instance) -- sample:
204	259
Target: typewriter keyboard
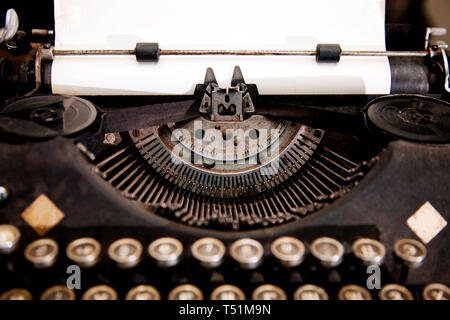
166	268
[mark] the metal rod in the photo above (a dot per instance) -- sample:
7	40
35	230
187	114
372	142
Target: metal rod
92	52
386	53
241	52
290	53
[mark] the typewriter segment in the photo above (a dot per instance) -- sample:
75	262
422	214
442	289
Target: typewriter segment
223	158
286	261
183	171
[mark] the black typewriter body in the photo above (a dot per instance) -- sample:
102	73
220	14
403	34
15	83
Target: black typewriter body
357	184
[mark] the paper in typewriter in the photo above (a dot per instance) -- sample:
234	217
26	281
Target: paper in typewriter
231	24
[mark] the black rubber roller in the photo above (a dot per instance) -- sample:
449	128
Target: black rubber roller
147	51
328	53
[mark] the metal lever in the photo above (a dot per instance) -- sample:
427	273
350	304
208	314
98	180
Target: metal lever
226	104
446	69
11	26
437	32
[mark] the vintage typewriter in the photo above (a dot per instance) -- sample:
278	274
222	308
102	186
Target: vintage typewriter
307	196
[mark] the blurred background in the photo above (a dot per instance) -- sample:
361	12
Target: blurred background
439	13
427	13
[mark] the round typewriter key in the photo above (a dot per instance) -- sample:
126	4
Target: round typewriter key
354	292
186	292
9	238
410	251
58	292
395	292
42	253
143	292
166	251
100	292
16	294
84	252
288	250
310	292
268	292
209	251
247	252
227	292
369	251
126	252
3	194
436	291
328	251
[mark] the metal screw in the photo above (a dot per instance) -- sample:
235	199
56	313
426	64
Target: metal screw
113	138
110	138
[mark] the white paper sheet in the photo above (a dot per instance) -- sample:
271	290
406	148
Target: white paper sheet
231	24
